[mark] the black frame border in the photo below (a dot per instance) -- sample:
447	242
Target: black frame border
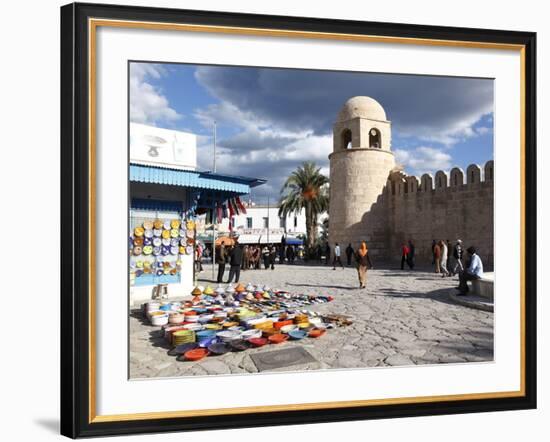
75	194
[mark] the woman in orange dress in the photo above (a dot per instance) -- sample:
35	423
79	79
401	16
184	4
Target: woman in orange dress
363	263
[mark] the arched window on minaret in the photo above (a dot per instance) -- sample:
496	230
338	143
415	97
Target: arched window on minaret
346	139
374	138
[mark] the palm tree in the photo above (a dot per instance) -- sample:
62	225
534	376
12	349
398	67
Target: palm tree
305	188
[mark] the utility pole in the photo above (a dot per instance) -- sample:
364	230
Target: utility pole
268	219
214	168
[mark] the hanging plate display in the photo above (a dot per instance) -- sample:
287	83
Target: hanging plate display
183	232
137	250
148	225
165	250
189	250
166	225
166	234
175	224
174	250
147	250
166	241
174	233
148	233
138	231
156	251
157	232
138	241
147	242
190	234
174	242
157	242
157	224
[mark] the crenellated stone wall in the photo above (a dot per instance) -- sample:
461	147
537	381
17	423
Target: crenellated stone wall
447	206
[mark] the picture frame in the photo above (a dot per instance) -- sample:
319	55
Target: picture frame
79	179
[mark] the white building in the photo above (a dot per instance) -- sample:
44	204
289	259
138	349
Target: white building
262	224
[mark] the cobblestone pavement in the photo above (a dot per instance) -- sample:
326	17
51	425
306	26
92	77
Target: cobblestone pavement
401	318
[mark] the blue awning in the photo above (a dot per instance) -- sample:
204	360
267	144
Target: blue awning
294	242
193	179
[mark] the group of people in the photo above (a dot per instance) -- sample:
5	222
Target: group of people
446	258
361	255
245	257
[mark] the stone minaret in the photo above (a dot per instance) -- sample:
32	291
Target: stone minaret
359	168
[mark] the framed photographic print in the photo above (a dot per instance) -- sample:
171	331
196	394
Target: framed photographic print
280	220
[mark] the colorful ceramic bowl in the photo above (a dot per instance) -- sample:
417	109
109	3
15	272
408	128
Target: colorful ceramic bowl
250	334
176	318
297	334
240	345
288	328
316	332
219	348
258	342
183	348
159	319
196	354
278	338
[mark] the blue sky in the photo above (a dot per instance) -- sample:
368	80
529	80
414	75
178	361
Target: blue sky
271	120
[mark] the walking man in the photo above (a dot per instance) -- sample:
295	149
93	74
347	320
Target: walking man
265	256
327	254
444	256
404	255
235	262
473	271
458	251
337	258
436	250
349	253
410	256
220	260
272	256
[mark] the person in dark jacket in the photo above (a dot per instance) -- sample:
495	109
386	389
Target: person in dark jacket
327	254
221	256
404	255
235	262
272	256
458	252
349	253
410	256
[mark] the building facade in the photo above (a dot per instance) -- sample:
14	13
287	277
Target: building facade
262	224
373	200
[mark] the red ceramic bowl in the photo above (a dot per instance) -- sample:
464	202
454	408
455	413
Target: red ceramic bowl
258	342
280	324
278	338
316	332
195	354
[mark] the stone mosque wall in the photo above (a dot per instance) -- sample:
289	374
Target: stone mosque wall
447	207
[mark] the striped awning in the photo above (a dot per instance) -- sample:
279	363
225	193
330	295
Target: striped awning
193	179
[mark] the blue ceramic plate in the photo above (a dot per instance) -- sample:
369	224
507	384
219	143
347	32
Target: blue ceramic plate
297	334
181	349
219	348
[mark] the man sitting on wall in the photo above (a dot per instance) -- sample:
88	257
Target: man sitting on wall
473	271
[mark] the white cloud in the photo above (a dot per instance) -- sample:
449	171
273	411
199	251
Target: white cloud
147	103
423	159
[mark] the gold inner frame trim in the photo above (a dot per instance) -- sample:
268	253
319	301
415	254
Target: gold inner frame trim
93	24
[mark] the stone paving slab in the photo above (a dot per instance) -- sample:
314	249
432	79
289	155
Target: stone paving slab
401	318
